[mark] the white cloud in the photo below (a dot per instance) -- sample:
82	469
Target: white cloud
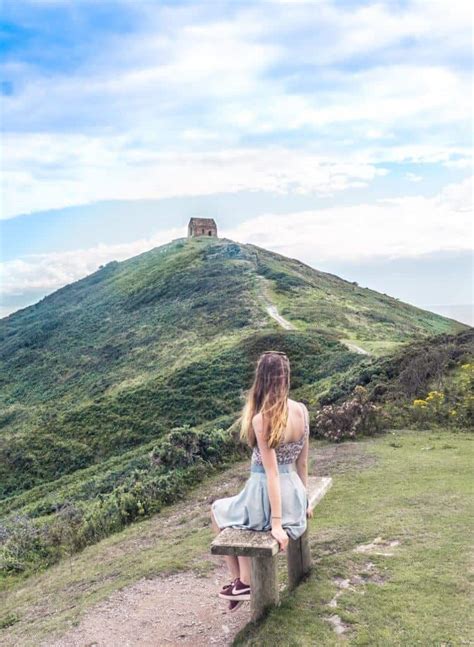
348	32
348	87
402	227
52	271
91	170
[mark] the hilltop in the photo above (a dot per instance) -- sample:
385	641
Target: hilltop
168	338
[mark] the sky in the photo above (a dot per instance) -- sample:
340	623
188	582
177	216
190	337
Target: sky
338	132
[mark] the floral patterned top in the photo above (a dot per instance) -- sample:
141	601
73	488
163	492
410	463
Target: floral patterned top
286	452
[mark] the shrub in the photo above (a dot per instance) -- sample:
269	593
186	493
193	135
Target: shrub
176	463
454	406
185	446
22	542
354	417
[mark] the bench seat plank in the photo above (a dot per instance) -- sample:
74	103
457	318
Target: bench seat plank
317	488
232	541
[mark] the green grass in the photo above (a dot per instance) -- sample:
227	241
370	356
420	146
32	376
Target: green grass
118	358
419	493
413	487
47	602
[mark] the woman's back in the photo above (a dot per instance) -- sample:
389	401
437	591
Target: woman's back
289	450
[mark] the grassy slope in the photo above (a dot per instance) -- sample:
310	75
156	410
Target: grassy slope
419	494
157	312
172	305
107	365
313	299
416	491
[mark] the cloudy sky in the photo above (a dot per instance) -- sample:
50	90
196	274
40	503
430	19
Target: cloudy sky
335	131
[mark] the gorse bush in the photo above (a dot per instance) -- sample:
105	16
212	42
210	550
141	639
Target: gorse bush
355	417
453	406
185	446
410	373
178	461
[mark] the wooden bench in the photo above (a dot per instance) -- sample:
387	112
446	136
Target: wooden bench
263	549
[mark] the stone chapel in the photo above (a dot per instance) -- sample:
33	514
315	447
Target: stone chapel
202	227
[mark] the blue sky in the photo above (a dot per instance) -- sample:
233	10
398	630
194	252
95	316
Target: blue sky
339	133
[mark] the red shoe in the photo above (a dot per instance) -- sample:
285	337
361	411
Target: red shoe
235	604
229	586
239	591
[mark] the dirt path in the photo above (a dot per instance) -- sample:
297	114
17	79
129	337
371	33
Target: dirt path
183	609
180	609
355	349
272	310
284	323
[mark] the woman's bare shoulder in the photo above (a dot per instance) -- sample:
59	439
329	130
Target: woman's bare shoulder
257	422
296	404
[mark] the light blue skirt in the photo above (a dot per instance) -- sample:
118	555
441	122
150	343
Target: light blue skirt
250	509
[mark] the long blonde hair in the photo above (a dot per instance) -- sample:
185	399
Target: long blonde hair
268	395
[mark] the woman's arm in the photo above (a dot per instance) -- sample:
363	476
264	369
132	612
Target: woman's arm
302	460
270	464
302	463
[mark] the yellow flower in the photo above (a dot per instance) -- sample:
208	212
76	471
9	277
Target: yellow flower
419	403
435	395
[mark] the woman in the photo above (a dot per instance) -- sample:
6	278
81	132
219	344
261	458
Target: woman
274	497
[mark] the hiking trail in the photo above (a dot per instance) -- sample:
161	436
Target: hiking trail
272	310
68	606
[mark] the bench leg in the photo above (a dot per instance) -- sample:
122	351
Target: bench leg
264	585
299	559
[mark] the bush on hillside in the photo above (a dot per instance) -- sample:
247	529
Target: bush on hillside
452	406
177	462
354	417
410	373
185	446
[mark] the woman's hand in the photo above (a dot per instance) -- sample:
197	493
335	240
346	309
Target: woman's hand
309	512
281	537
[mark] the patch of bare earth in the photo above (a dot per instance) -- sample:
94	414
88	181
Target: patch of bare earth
338	459
184	609
181	609
367	574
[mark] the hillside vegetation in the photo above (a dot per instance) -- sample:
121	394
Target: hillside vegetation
119	390
410	489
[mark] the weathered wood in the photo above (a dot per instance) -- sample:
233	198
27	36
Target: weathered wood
305	553
264	585
298	559
247	543
295	566
317	487
298	551
263	548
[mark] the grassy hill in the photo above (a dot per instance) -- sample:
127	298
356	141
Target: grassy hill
411	488
168	338
96	376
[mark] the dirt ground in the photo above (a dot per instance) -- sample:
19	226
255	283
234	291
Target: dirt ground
183	609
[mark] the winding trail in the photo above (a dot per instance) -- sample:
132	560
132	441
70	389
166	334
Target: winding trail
272	310
284	323
156	610
354	348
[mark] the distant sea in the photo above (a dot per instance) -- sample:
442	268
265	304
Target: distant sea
463	313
